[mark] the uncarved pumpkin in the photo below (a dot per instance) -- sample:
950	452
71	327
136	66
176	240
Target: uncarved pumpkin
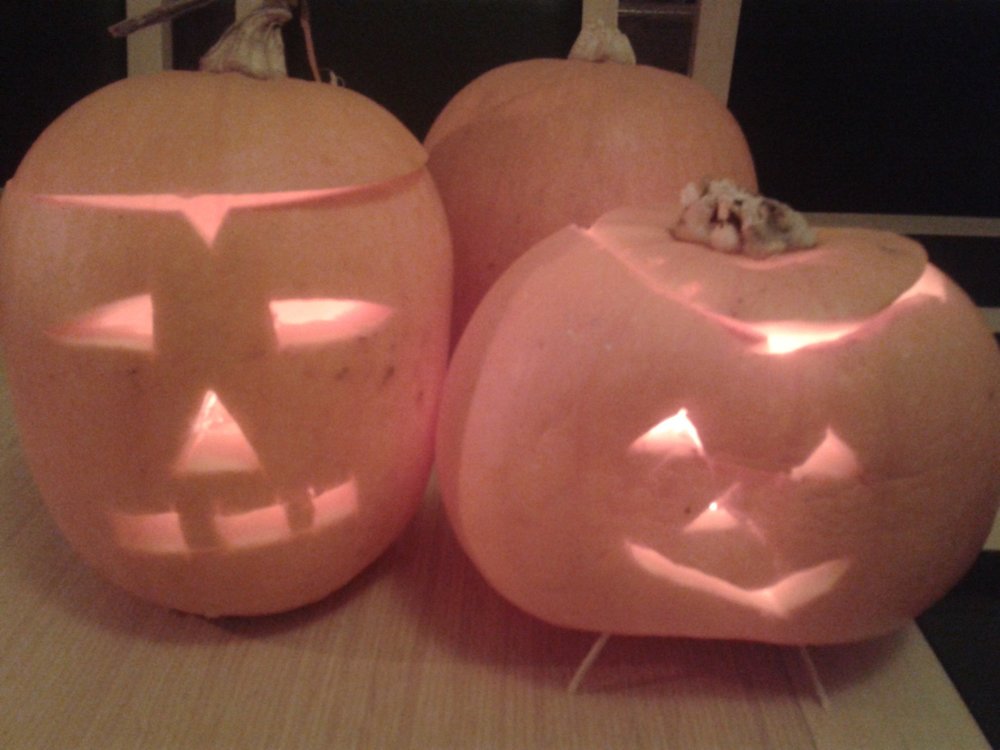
534	145
640	435
225	319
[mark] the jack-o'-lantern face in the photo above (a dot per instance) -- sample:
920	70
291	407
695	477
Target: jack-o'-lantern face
225	373
640	435
215	458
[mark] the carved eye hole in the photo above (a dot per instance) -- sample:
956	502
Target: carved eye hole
676	435
126	324
831	459
309	322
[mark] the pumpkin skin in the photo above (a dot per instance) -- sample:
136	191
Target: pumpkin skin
628	443
533	145
225	322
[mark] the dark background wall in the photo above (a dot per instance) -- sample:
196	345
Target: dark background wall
862	106
886	106
882	106
52	53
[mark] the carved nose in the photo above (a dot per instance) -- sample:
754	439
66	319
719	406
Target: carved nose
215	442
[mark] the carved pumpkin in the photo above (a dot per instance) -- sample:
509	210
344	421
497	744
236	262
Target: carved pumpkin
641	435
225	316
534	145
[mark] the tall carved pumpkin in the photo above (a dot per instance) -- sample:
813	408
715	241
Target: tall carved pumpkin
534	145
642	435
225	320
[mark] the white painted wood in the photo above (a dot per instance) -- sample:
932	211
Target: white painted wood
993	540
992	315
954	226
150	49
715	45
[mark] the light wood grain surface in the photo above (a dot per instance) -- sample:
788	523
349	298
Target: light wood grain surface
416	653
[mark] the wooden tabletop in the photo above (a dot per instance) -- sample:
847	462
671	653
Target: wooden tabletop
417	652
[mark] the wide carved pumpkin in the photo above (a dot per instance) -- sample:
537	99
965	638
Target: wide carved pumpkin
642	435
225	320
533	145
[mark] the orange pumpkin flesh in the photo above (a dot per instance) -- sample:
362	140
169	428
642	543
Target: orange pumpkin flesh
225	313
533	145
628	444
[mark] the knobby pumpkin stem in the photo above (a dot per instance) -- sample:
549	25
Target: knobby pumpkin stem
253	45
600	39
731	219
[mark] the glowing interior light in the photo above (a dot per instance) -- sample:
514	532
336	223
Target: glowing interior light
779	599
832	459
126	324
932	283
674	435
206	213
715	517
784	338
155	533
162	534
271	525
305	322
216	443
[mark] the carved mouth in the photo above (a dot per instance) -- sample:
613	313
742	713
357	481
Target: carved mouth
779	599
165	533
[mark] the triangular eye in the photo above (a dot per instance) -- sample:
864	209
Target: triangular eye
674	436
216	444
126	324
311	322
832	459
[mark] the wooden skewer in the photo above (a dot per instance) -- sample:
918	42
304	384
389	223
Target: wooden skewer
166	12
814	678
588	662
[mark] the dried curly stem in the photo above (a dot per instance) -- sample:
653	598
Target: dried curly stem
600	39
730	219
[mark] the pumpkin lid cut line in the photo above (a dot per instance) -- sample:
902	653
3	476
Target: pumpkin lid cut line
207	212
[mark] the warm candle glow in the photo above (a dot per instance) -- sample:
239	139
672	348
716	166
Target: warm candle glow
784	338
205	213
162	533
125	324
832	459
780	599
307	322
216	444
716	517
674	435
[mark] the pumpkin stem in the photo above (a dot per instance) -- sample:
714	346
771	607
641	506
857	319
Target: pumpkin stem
600	40
730	219
253	45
